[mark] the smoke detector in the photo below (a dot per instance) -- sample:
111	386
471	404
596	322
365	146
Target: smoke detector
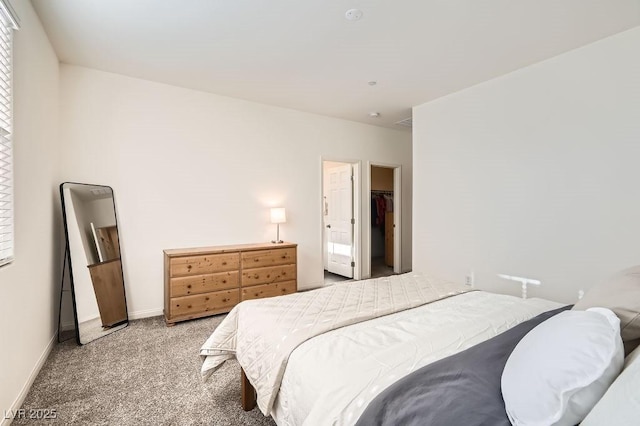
353	15
374	114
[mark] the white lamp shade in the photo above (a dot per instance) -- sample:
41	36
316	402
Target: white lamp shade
278	215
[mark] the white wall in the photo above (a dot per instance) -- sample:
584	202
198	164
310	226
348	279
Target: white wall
534	173
194	169
29	286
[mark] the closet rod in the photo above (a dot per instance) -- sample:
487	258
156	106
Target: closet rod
377	191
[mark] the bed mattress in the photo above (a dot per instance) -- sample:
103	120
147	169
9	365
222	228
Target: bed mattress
261	334
331	378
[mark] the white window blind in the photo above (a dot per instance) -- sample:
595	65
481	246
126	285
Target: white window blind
8	23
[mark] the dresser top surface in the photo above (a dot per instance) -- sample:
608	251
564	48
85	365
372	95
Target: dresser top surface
226	249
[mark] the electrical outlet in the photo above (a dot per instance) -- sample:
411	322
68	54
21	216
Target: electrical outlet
580	294
469	278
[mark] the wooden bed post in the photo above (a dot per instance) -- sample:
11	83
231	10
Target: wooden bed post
247	392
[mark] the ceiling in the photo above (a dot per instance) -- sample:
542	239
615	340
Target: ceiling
305	55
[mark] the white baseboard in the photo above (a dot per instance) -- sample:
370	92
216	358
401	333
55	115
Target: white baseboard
132	315
146	314
311	286
27	386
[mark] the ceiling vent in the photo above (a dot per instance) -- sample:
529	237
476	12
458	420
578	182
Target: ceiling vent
407	122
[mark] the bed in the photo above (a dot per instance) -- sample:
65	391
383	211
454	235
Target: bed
327	356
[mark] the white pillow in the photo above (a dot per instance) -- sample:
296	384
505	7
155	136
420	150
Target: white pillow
620	406
561	368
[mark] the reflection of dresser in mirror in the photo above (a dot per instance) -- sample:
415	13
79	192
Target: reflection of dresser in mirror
106	276
109	290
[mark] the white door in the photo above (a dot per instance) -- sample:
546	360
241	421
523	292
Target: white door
340	220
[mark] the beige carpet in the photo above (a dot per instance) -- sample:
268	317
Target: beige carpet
145	374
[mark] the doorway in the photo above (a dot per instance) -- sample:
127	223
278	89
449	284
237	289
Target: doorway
339	192
384	221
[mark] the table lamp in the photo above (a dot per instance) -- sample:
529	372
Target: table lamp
278	216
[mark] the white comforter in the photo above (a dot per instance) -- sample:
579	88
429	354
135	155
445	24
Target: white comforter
331	378
263	333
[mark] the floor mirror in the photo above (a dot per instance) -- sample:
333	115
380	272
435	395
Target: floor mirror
93	256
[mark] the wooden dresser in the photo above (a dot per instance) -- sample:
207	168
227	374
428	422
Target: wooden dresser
205	281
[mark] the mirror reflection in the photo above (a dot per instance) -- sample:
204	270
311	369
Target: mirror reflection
94	257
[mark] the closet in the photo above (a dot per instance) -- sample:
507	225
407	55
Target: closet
382	221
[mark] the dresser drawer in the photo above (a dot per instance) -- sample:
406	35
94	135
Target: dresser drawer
215	301
274	257
271	274
204	281
210	263
268	290
196	284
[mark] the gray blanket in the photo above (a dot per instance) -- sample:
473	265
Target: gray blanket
463	389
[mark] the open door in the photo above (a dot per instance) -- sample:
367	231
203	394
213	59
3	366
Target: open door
340	220
385	234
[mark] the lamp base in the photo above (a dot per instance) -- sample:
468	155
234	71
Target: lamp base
277	240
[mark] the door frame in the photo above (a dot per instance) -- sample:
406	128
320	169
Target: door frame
397	218
357	213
